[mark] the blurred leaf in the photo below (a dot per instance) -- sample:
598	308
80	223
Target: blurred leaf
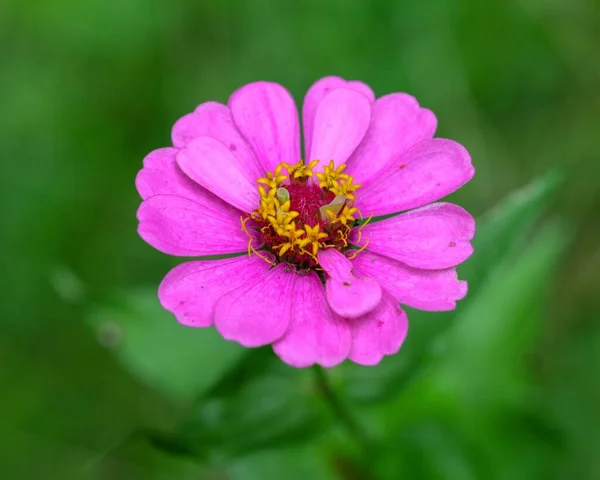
278	407
480	381
574	382
506	226
426	450
492	336
180	362
497	235
300	463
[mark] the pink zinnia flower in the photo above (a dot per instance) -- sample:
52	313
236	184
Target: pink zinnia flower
318	283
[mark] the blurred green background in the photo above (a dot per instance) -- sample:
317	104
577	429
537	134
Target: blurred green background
97	382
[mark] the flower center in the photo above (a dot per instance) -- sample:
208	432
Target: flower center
301	212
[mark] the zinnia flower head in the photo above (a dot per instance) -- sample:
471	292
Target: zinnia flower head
322	281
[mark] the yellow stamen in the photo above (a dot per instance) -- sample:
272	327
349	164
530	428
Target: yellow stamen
347	215
313	237
359	250
274	180
267	204
293	235
300	169
251	249
281	216
277	221
343	237
331	174
345	187
359	230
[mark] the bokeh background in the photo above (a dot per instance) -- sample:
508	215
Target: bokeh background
97	382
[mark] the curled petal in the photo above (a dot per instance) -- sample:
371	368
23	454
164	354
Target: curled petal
348	296
378	333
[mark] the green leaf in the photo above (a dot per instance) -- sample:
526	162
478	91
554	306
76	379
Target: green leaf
493	334
278	407
300	463
426	449
498	234
180	362
506	226
479	383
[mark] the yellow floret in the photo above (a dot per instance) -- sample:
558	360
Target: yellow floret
273	180
300	169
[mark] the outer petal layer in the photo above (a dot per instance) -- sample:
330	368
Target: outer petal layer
209	163
212	119
179	226
348	296
266	115
433	290
258	312
378	333
162	176
341	121
427	172
433	237
191	290
316	334
397	123
315	95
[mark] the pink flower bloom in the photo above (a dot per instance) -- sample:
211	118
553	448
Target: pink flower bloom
318	283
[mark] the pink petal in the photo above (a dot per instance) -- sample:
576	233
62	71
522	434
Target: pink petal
433	290
317	92
341	121
210	163
191	290
427	172
265	113
212	119
433	237
180	226
259	312
348	296
378	333
315	334
161	175
397	123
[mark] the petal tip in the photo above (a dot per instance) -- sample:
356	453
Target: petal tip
353	298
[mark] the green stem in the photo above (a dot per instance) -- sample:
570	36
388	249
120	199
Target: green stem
341	411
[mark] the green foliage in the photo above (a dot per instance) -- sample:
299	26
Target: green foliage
472	411
498	234
179	362
273	409
233	408
507	226
417	404
293	464
505	387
